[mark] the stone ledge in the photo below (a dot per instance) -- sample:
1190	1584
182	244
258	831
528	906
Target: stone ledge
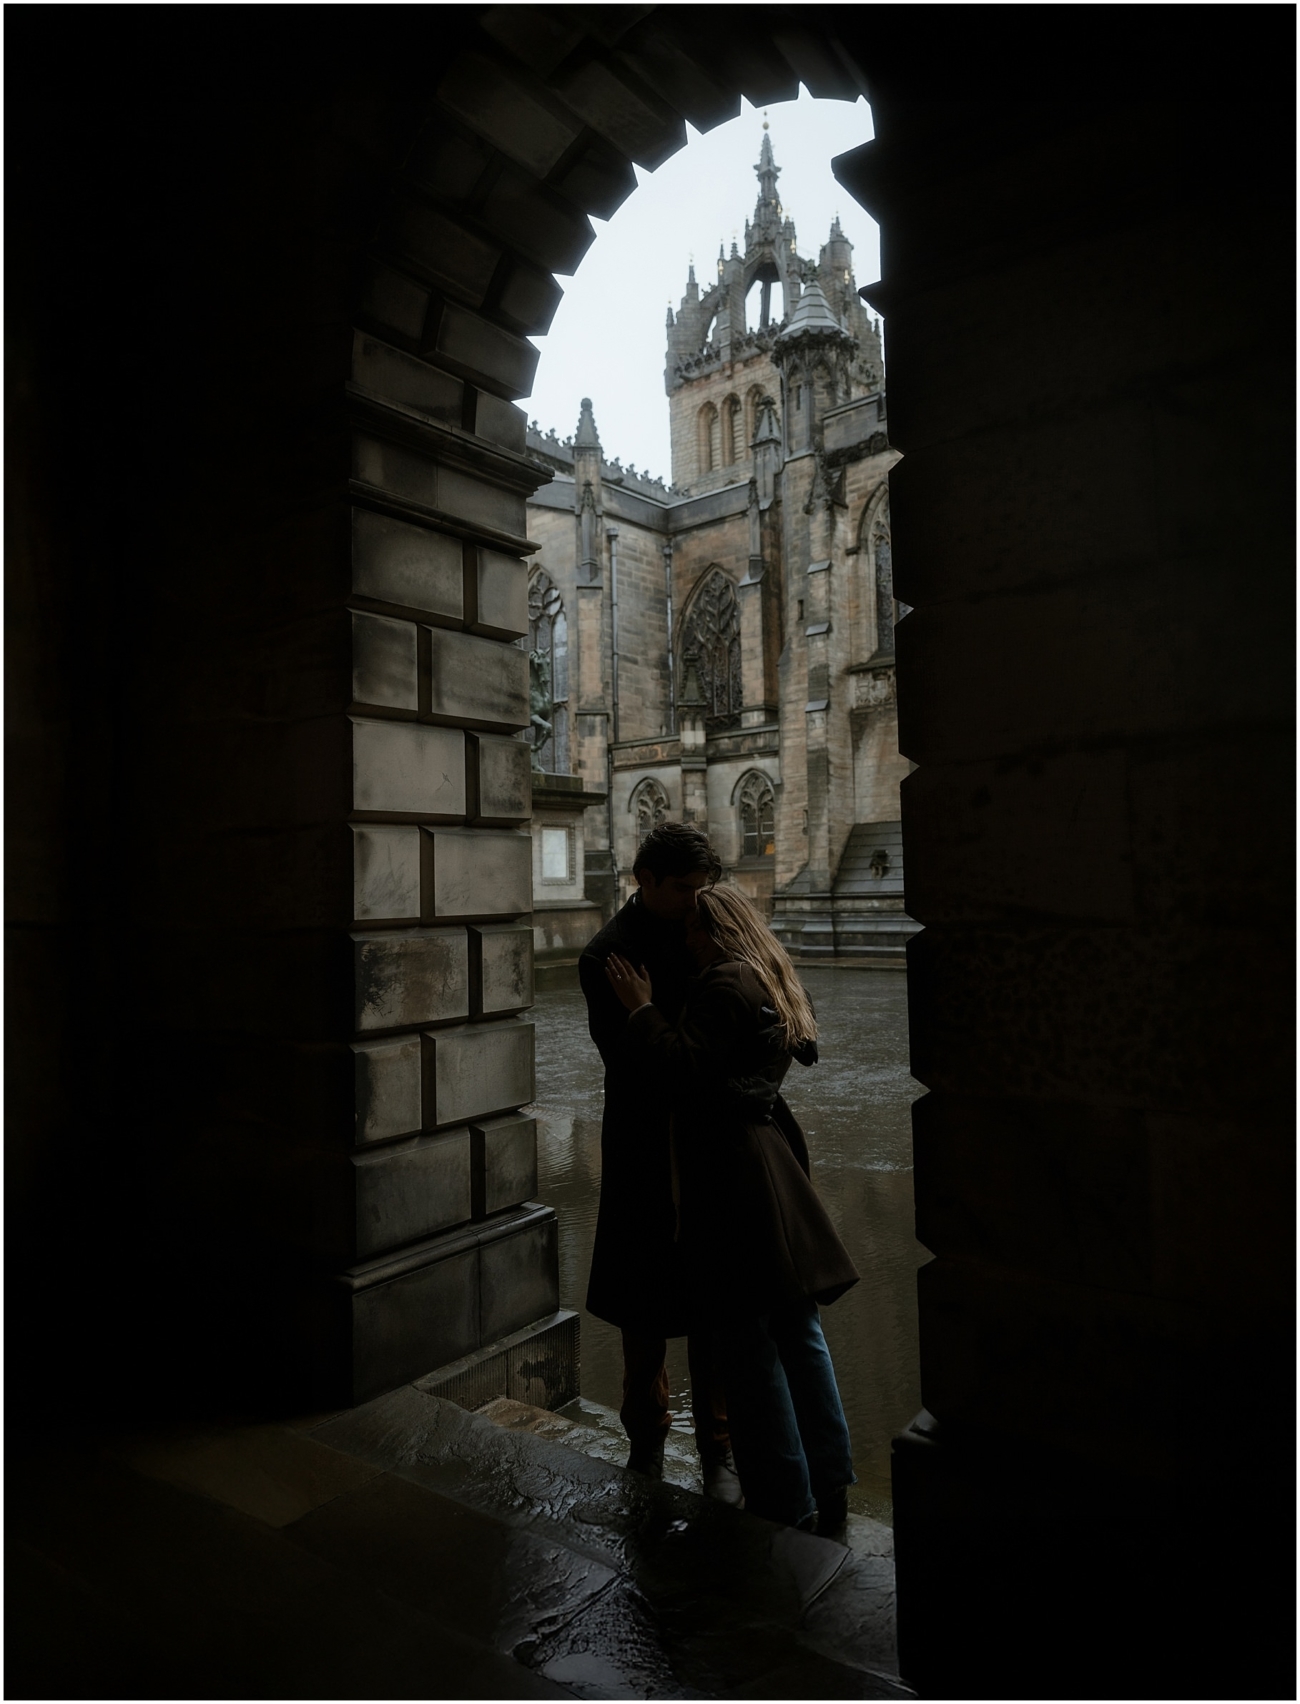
539	1365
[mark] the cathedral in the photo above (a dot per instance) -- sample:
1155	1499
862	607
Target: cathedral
720	650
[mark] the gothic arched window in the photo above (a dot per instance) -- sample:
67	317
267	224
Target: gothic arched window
752	403
882	556
756	801
649	804
730	417
548	674
708	433
711	642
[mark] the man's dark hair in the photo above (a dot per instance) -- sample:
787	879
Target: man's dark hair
677	849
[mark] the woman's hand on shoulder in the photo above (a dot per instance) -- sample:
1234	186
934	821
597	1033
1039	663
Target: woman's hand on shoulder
632	986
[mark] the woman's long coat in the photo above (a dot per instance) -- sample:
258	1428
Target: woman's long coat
751	1225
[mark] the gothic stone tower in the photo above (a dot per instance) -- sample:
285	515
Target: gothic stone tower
719	367
721	650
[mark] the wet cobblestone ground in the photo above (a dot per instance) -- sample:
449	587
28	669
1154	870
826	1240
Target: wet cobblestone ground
854	1107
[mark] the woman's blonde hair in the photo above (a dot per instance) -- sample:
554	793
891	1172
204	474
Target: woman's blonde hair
736	924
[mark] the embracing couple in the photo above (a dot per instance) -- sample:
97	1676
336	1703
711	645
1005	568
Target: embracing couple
709	1225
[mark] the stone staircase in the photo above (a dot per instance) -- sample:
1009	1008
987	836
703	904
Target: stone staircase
411	1549
862	917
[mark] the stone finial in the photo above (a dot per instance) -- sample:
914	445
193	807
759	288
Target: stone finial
767	171
587	438
766	429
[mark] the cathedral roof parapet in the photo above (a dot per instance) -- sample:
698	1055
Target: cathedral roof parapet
558	455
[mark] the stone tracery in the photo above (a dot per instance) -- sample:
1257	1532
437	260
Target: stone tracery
649	803
756	803
711	642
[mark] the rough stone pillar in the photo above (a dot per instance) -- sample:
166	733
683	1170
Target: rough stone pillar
752	647
1098	852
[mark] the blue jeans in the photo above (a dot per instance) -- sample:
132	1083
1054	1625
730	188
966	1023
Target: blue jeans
788	1432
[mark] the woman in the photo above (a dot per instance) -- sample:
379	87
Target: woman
760	1248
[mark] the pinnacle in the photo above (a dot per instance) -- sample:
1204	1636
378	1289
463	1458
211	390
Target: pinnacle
587	437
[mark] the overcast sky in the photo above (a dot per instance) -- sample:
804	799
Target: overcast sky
607	340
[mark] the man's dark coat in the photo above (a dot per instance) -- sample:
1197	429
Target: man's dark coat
753	1230
636	1265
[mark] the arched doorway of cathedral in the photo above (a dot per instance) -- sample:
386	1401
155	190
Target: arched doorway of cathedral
1098	1184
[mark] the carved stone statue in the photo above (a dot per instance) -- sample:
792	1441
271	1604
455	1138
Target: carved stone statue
539	701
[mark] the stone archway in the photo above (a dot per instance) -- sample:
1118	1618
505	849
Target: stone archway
269	669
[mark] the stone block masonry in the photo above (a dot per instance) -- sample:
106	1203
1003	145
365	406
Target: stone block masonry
1096	652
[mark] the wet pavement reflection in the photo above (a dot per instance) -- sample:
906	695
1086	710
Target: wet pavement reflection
854	1106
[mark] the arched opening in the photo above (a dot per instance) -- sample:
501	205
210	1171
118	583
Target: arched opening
649	806
753	401
710	648
381	277
756	803
765	300
731	416
708	439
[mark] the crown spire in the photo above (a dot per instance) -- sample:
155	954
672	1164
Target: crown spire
767	171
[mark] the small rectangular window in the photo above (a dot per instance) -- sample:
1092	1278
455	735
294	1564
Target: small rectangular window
555	855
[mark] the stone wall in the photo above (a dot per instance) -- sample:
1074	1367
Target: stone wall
1100	1000
712	390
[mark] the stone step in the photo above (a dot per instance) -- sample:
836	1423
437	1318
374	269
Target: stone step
627	1587
410	1549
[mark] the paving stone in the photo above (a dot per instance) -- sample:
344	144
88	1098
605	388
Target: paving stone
270	1472
230	1608
495	1584
611	1514
598	1432
66	1641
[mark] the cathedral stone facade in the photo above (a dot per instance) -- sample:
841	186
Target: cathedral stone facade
721	650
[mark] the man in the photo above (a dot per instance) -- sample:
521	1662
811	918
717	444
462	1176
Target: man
636	1280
